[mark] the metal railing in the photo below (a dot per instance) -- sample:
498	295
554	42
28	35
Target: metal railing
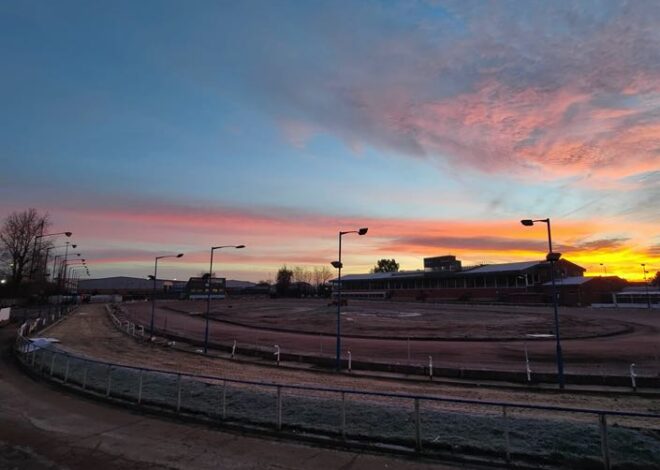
33	319
434	426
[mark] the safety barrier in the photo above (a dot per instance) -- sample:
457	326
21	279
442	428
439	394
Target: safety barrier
437	427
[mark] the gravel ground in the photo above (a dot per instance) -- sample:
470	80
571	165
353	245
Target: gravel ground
457	428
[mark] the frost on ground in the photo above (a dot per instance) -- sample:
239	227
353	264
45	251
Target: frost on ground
388	420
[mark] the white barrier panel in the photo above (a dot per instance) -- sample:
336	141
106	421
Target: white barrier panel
4	314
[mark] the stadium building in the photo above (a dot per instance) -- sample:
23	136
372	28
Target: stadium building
444	278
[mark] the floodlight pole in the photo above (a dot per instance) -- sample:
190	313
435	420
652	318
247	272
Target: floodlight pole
646	287
338	352
208	294
153	293
361	231
553	258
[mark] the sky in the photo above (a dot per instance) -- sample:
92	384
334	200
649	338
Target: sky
157	127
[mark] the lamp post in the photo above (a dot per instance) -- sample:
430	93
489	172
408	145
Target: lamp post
70	267
553	258
338	265
153	295
46	258
646	287
34	248
208	294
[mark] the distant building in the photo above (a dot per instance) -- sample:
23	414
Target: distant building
444	278
127	286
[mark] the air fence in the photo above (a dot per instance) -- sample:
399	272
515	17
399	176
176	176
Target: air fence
436	427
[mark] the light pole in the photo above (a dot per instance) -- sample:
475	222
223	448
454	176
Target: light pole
69	267
46	259
553	258
646	287
338	265
153	295
208	294
34	248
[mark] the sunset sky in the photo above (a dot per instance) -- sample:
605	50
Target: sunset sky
157	127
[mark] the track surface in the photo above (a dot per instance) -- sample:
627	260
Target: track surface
91	333
622	336
43	428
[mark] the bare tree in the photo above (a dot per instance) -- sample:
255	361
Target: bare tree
321	275
18	234
298	274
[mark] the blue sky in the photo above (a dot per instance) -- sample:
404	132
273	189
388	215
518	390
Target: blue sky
453	118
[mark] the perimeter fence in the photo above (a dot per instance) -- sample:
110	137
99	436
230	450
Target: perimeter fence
437	427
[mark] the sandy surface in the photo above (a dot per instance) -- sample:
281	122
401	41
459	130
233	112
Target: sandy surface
621	337
90	332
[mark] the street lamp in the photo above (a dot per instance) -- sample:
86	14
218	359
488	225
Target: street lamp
34	248
646	287
553	258
338	265
208	295
153	295
46	258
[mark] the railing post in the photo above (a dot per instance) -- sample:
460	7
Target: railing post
178	393
633	377
66	370
107	390
507	439
343	415
604	445
139	400
279	407
431	367
418	428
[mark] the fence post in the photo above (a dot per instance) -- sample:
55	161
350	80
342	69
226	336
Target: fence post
343	415
431	367
277	354
107	390
527	367
604	445
140	387
418	427
66	370
633	377
507	440
279	407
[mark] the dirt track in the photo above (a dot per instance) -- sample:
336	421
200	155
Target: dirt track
44	428
90	332
608	353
